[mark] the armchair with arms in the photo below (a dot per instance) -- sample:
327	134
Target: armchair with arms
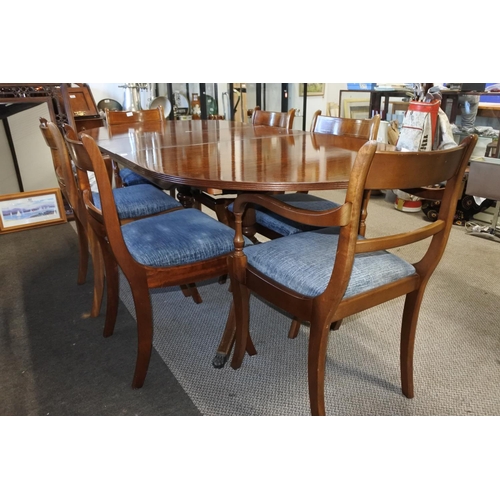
324	275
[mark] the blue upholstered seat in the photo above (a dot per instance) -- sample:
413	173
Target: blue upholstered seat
304	262
284	226
179	237
139	201
130	178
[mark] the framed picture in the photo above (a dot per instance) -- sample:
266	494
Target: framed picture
21	211
312	89
356	108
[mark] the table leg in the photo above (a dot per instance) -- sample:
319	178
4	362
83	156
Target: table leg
227	342
248	224
185	196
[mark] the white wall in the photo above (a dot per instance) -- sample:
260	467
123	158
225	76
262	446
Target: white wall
33	155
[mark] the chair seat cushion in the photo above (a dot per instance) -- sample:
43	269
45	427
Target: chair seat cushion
131	178
179	237
139	201
284	226
304	262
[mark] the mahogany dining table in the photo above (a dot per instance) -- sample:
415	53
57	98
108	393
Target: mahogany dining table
227	155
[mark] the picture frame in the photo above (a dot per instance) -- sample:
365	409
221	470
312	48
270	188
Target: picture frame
357	108
26	210
312	89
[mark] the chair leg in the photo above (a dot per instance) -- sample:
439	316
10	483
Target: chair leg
318	341
408	329
335	325
144	315
190	290
294	329
112	290
241	298
98	264
83	251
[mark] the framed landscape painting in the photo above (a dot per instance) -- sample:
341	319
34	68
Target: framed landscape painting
21	211
312	89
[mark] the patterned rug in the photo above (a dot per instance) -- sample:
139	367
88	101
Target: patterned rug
457	353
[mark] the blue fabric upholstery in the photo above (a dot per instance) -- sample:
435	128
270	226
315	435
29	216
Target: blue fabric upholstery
180	237
140	200
284	226
130	178
304	262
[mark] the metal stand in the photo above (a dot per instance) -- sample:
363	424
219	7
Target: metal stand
491	232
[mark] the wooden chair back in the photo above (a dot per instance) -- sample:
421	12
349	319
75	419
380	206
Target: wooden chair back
61	160
352	133
411	170
377	166
273	118
363	129
81	161
68	185
108	215
124	117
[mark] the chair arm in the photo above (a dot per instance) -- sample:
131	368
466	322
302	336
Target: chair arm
398	240
339	216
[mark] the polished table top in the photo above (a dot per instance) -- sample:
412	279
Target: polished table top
228	155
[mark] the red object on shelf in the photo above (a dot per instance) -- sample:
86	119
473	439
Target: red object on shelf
428	107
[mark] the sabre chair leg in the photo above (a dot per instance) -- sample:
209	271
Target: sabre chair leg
83	251
144	315
335	325
408	330
112	291
294	328
98	264
318	341
190	290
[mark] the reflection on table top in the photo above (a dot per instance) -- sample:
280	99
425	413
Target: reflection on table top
229	155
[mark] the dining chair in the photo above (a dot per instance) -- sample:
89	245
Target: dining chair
176	248
132	202
273	225
219	200
125	176
67	184
354	133
280	119
87	243
324	275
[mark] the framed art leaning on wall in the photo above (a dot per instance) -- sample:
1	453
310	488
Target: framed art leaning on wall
30	209
356	108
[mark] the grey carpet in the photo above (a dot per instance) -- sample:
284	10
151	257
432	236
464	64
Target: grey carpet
54	360
53	357
457	354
